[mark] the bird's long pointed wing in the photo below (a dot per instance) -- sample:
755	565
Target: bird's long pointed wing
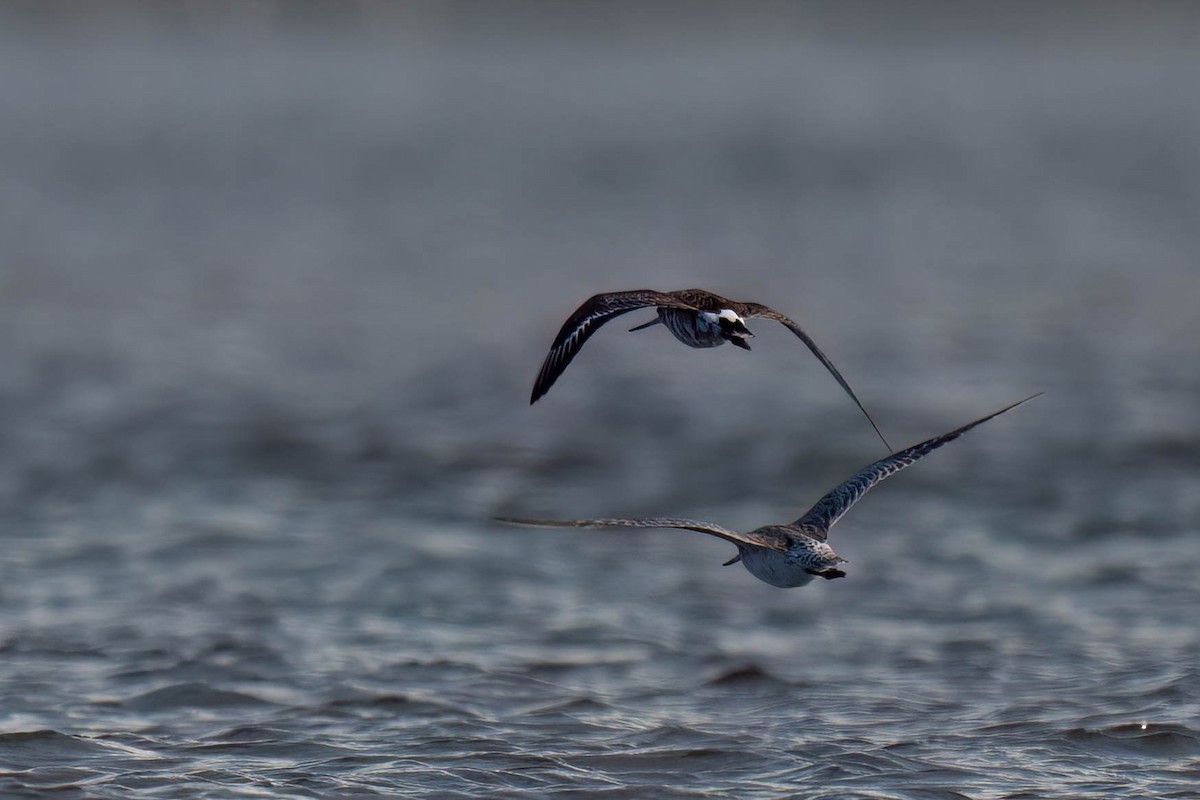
752	539
594	312
759	310
830	508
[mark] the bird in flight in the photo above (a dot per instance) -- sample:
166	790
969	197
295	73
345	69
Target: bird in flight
792	554
696	317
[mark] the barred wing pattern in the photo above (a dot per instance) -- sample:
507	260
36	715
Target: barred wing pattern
830	508
753	538
586	320
753	310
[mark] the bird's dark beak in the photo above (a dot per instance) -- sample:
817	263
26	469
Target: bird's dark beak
740	342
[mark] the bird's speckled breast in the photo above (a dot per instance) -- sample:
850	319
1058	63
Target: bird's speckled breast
776	568
694	330
789	568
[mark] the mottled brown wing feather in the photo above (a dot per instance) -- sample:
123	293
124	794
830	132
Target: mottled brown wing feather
830	508
704	300
753	310
586	320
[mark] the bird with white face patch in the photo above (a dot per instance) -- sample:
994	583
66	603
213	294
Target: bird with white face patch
792	554
696	317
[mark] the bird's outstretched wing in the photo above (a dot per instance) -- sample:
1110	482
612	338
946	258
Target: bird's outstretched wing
595	311
752	538
758	310
830	508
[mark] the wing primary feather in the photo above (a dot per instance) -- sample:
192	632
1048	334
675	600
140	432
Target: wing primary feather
830	508
759	310
586	320
750	539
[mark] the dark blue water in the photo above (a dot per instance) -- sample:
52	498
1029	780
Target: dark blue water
272	301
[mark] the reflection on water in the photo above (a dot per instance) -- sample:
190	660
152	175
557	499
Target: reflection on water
270	310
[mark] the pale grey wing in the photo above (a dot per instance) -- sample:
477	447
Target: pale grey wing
754	539
586	320
754	310
830	508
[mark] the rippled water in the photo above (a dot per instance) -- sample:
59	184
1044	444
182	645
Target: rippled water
270	308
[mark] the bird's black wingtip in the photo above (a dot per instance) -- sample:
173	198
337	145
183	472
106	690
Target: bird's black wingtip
1018	403
515	520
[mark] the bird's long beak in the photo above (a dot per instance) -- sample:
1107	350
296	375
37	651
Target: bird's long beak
740	342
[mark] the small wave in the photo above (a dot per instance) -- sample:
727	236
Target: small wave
668	758
247	733
1148	739
574	705
745	674
47	740
293	751
27	751
390	705
190	695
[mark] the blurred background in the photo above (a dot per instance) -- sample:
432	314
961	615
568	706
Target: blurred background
275	281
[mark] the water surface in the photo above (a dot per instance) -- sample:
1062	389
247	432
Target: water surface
271	305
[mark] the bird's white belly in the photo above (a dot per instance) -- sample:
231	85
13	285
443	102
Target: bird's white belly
775	568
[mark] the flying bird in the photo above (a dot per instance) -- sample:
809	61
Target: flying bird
792	554
696	317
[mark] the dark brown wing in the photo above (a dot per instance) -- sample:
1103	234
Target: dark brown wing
704	300
753	310
830	508
753	538
596	311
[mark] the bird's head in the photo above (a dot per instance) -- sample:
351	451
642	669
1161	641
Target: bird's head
733	328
